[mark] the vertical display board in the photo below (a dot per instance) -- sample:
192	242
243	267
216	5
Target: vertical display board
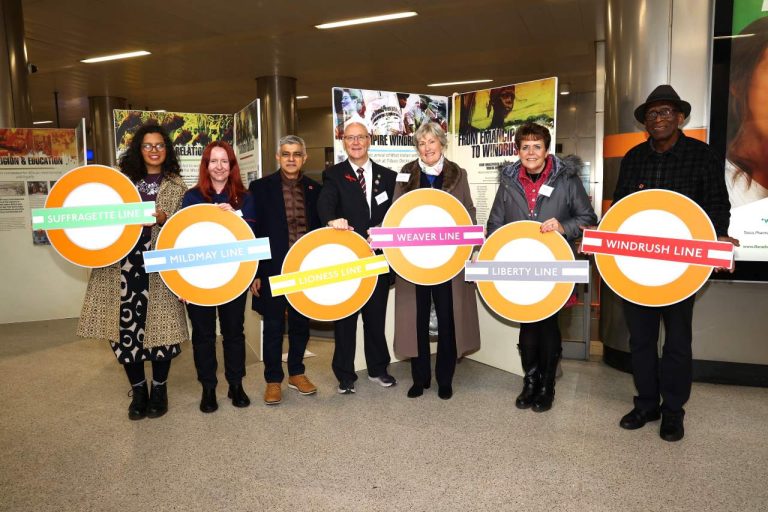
392	117
248	142
483	132
39	285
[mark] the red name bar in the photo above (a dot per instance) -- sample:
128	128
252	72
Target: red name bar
694	252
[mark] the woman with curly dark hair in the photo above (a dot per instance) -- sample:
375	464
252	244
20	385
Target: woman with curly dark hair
142	319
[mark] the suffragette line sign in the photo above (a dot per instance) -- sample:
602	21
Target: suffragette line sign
95	215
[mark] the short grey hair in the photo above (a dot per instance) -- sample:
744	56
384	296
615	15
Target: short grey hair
292	139
430	128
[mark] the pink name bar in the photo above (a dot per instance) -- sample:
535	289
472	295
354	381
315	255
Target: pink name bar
382	238
695	252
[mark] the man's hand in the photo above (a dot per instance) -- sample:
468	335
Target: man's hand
735	243
255	287
340	224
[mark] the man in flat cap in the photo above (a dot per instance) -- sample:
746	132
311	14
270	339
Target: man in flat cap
668	160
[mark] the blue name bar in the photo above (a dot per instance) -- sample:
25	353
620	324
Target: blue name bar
203	255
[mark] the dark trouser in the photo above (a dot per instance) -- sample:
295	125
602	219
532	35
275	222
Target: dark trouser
445	364
541	342
375	343
135	371
298	336
671	382
231	318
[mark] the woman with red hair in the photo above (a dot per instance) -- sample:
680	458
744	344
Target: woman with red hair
219	183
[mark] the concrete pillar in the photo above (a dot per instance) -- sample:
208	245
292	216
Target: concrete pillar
103	127
278	115
15	107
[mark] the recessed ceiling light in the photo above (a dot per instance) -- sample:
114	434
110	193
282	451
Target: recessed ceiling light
462	82
116	57
370	19
161	111
42	122
565	89
301	97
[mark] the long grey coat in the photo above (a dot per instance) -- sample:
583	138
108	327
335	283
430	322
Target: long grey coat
166	319
464	296
568	202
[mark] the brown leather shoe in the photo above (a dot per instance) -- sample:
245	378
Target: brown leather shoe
273	395
302	384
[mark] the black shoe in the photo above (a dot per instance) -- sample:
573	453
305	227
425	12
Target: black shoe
346	388
542	401
384	380
530	389
416	391
138	408
672	427
158	401
208	401
445	392
238	396
637	418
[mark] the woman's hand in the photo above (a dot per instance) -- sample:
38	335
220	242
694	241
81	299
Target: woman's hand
226	207
552	225
160	218
255	287
183	301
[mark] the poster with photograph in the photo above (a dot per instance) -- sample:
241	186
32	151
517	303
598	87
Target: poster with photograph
392	116
248	143
746	144
31	160
189	134
483	133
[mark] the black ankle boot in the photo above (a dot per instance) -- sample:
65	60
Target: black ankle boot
546	394
138	408
208	401
158	401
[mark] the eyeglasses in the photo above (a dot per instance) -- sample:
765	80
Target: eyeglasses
664	113
157	147
296	155
356	138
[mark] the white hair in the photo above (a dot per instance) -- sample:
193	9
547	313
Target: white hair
356	119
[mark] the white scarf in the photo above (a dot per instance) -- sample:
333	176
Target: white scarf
435	170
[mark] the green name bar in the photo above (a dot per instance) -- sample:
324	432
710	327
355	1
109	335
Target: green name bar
93	216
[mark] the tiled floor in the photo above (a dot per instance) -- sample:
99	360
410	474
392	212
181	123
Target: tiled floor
66	443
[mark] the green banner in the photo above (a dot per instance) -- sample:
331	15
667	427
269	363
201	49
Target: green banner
747	11
94	215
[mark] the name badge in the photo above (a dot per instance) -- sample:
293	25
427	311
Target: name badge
381	197
403	177
546	190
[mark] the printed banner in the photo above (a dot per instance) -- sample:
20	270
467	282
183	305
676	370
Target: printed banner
392	116
248	142
426	237
430	236
304	280
528	271
189	134
525	275
93	216
484	124
215	273
31	160
204	255
326	292
656	247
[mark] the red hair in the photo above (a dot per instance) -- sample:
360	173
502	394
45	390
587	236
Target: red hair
234	187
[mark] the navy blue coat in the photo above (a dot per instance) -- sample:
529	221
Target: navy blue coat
270	221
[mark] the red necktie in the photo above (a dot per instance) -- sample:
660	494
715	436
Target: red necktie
361	179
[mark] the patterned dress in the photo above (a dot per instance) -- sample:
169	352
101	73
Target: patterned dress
134	291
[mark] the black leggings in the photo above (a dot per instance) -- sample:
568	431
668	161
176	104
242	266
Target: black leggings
135	371
542	338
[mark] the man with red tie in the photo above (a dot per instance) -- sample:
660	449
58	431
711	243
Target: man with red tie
356	195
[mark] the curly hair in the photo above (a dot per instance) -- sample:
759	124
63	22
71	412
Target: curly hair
132	162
